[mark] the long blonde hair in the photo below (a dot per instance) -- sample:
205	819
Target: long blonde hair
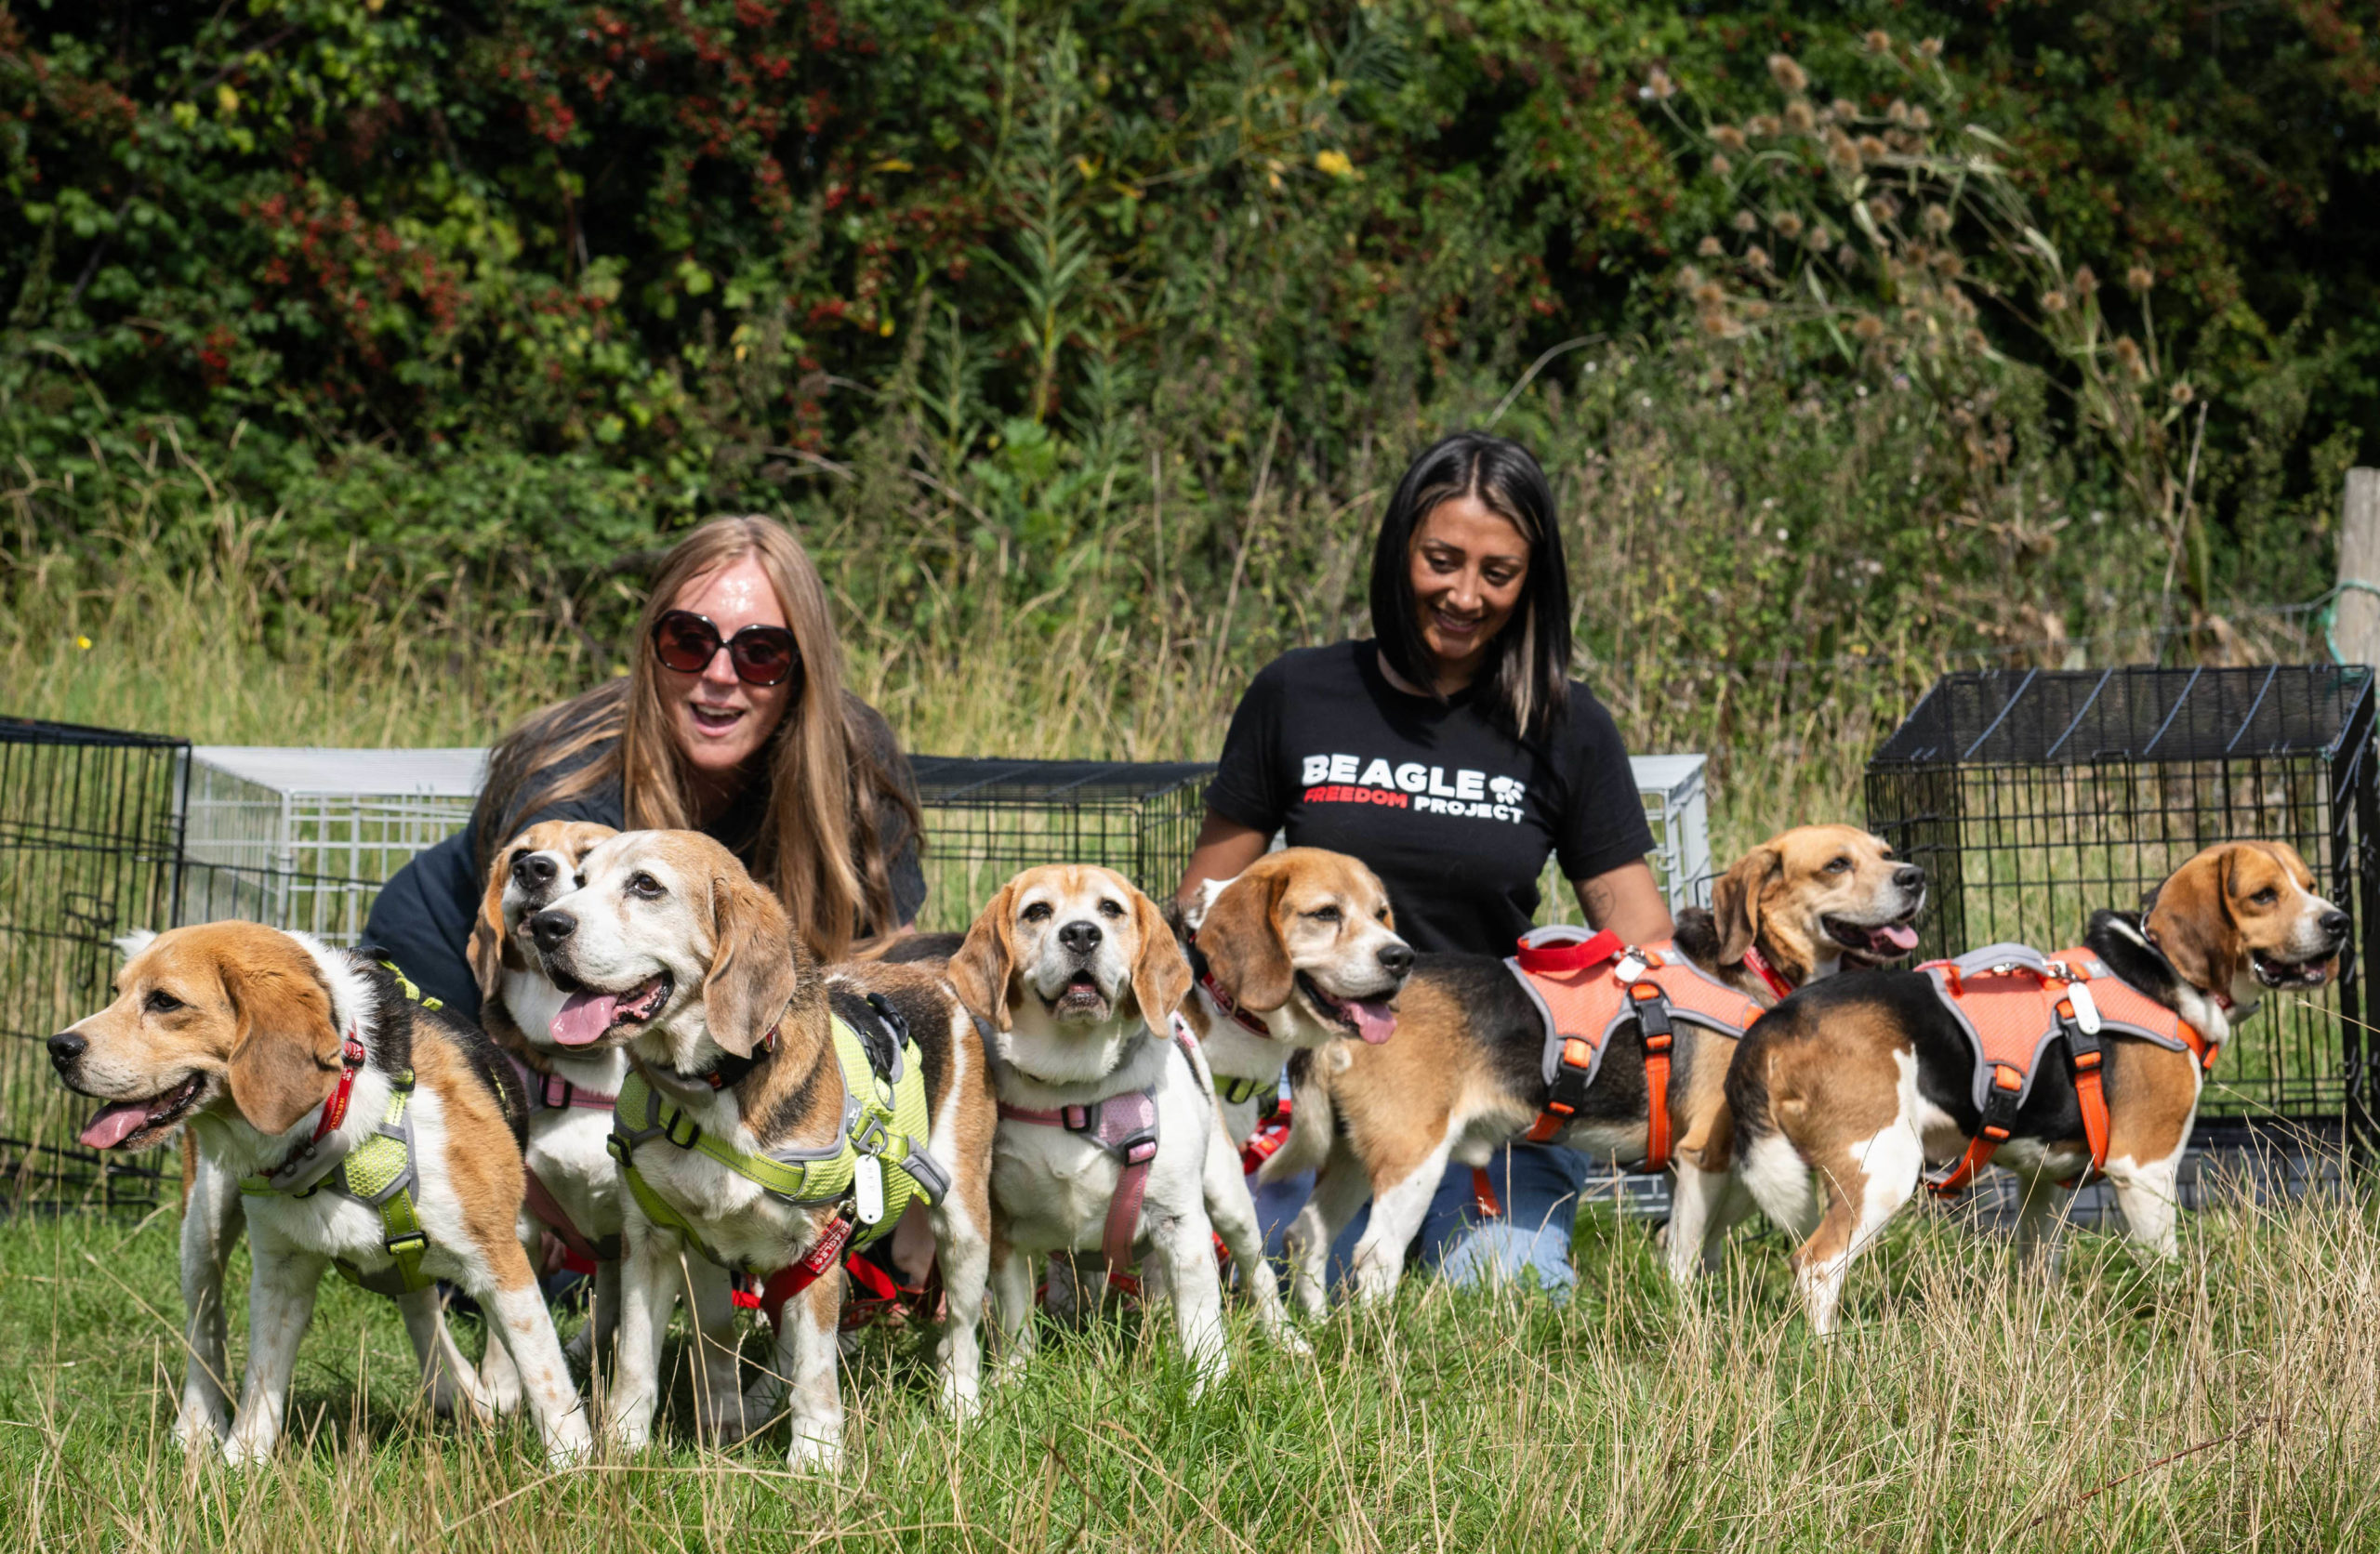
820	846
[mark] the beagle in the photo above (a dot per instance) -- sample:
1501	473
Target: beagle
574	1186
1107	1131
353	1126
1464	1075
758	1130
1296	952
1845	1091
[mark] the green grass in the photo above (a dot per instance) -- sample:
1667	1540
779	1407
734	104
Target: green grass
2231	1402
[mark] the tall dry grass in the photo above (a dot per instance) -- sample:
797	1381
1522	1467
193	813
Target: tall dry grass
2230	1401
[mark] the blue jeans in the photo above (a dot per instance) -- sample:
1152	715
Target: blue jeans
1538	1185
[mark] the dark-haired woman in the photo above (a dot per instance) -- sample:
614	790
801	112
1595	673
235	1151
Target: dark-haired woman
732	721
1453	753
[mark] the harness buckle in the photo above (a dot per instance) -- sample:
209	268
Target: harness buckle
411	1241
2006	1078
1080	1119
1652	1007
676	1120
1140	1150
873	1137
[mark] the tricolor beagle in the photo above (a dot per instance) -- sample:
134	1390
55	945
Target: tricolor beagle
353	1126
1464	1074
1846	1090
760	1129
574	1184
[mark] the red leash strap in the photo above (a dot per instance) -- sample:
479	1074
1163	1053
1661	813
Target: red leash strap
1766	972
1266	1141
1578	955
350	1060
786	1283
1483	1195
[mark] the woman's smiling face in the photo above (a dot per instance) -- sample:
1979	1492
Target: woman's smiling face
718	721
1468	567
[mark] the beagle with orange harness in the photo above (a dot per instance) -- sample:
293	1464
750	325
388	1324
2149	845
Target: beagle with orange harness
1845	1093
1585	1042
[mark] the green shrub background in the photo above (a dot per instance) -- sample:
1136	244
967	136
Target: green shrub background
1044	323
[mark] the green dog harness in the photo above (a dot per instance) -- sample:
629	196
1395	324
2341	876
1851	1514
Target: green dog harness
379	1173
885	1123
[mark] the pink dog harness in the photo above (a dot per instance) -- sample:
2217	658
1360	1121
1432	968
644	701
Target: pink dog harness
551	1092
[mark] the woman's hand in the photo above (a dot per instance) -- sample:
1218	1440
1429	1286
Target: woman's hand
1225	849
1626	900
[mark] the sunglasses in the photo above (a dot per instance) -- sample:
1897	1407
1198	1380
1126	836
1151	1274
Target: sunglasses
761	654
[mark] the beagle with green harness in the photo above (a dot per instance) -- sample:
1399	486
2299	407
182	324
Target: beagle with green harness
773	1116
349	1127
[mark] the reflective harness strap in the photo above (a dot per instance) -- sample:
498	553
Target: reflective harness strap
884	1118
379	1173
1650	1005
1124	1126
551	1092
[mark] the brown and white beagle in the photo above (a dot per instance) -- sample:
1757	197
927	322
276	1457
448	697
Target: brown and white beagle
1845	1091
1462	1073
669	950
1106	1120
573	1183
310	1083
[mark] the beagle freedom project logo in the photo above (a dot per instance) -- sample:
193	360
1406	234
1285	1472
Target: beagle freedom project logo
1467	795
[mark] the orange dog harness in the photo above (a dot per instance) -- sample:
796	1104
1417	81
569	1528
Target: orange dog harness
2012	1002
1586	987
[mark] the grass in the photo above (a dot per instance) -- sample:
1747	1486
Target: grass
2229	1401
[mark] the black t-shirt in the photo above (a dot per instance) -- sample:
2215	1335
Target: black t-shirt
1455	814
422	918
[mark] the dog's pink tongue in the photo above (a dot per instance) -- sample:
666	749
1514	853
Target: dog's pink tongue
584	1017
1375	1021
1901	936
115	1124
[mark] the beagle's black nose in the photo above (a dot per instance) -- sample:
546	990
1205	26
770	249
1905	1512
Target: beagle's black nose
2335	924
551	928
534	871
1081	936
1909	878
66	1049
1397	959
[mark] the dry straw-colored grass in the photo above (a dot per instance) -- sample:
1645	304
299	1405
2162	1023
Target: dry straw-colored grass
2230	1401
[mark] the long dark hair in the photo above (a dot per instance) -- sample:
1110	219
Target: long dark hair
1525	678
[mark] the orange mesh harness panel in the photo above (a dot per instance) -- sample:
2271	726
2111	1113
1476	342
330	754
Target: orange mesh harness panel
2012	1002
1584	987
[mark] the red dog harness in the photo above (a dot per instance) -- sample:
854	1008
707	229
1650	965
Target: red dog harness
1586	987
2012	1002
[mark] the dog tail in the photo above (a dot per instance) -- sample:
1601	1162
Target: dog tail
1313	1122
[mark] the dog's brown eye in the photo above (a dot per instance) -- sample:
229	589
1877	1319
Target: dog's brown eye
161	1002
1038	913
1839	866
1324	914
2267	896
1111	909
643	885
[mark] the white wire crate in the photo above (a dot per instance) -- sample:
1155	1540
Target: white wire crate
305	838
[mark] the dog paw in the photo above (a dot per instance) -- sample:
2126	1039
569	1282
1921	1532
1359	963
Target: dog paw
199	1431
819	1453
245	1450
1288	1340
569	1442
961	1399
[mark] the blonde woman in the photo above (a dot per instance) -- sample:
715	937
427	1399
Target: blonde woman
733	720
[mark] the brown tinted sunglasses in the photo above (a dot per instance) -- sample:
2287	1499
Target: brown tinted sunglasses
761	654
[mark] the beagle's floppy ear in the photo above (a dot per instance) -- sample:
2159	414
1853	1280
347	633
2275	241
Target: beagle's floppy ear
756	964
284	1045
2189	918
1735	901
1242	942
488	947
1161	972
981	971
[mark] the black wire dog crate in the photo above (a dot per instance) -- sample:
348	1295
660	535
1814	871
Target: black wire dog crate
984	820
2032	798
90	839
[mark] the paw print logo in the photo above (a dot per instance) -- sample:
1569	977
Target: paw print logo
1505	789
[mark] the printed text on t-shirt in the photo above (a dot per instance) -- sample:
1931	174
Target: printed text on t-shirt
1343	779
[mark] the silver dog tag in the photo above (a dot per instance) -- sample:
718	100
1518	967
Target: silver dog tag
2086	1013
867	1188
